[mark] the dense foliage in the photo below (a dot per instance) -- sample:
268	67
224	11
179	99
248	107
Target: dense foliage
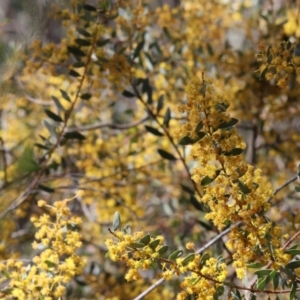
171	132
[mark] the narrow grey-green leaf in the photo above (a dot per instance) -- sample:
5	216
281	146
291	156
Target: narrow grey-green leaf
116	221
138	49
160	103
65	95
167	117
74	135
58	104
128	94
53	116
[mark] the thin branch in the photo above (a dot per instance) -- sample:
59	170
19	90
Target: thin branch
24	195
282	186
106	124
4	159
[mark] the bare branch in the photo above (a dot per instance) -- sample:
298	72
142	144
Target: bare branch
106	124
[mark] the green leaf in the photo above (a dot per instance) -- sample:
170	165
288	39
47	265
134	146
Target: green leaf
205	225
236	296
154	131
136	245
5	274
145	240
166	155
146	88
89	7
199	126
161	251
242	187
58	104
82	42
297	188
26	162
83	32
46	189
74	135
41	146
138	49
292	252
188	259
276	280
262	282
74	73
196	203
50	264
76	51
294	286
187	140
234	152
78	64
65	95
153	265
188	189
167	33
116	221
228	124
160	103
102	42
261	273
154	244
128	94
204	258
206	180
53	116
293	264
263	73
254	266
210	49
86	96
167	117
297	50
270	58
175	254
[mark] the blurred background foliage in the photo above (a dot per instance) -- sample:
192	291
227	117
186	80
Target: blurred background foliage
153	48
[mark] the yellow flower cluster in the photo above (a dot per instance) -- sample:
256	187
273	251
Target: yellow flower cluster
47	273
203	275
233	191
279	62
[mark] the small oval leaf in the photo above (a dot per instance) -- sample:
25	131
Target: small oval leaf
166	155
175	254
